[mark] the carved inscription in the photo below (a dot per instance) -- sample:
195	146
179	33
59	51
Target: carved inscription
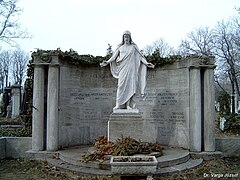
89	97
168	113
84	95
167	98
93	104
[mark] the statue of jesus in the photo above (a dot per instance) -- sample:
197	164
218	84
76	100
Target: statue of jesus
129	66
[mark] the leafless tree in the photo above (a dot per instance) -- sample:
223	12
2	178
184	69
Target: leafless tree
10	29
5	62
20	60
200	42
227	50
160	45
148	50
224	42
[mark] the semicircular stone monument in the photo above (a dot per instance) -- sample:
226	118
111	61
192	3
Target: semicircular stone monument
73	104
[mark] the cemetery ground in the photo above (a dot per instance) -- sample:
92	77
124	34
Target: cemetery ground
222	168
17	169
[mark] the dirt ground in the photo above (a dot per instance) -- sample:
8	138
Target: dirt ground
26	169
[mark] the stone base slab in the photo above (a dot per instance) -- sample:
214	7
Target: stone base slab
130	125
125	111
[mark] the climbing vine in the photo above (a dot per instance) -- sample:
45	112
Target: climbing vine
72	57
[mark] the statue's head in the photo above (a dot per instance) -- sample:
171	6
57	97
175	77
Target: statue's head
126	36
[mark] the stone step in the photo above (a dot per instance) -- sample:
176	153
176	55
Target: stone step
78	169
171	156
42	155
191	163
206	155
73	156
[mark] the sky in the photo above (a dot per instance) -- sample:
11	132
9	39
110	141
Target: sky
88	26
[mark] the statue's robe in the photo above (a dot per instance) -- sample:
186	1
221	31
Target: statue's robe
129	67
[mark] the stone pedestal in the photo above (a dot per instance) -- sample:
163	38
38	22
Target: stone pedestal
129	124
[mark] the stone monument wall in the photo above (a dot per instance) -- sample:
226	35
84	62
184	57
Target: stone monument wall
86	99
87	96
178	109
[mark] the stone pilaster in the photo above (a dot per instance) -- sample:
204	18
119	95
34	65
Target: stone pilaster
195	110
38	109
209	110
52	108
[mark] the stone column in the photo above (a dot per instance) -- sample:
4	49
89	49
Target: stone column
209	110
15	90
195	110
52	106
38	109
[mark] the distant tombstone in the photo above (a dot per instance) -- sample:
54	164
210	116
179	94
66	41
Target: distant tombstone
9	110
222	123
15	92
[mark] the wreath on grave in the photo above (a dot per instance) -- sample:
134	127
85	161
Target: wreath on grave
124	146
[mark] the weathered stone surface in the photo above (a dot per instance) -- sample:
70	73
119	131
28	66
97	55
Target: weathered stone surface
132	168
52	112
87	96
2	148
17	146
130	125
38	110
195	130
85	103
229	146
209	110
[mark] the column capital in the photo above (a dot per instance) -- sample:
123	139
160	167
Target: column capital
45	59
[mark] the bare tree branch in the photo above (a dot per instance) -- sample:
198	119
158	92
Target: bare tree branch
199	41
9	24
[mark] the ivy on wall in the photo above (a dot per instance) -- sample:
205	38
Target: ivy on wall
72	57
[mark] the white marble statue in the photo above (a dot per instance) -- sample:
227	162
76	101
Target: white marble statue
129	66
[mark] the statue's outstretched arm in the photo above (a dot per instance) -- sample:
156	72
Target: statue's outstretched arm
113	58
